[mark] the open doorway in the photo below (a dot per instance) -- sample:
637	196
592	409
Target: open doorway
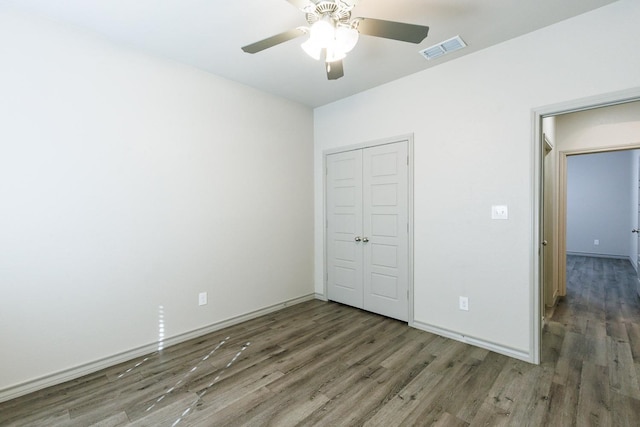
606	123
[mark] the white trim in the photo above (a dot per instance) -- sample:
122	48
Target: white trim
507	351
603	100
320	297
593	255
410	265
535	288
410	196
70	374
384	141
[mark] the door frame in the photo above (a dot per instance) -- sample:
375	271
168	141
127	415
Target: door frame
536	273
408	138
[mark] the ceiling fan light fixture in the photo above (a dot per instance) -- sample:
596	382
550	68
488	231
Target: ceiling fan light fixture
323	32
312	49
346	38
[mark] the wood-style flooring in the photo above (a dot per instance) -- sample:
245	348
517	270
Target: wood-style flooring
321	363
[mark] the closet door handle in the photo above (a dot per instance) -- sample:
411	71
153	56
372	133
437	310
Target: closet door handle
357	239
365	239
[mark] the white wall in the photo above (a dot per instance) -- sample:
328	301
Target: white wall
598	199
128	183
473	148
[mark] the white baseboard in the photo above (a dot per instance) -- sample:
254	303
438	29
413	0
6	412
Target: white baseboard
594	255
88	368
507	351
321	297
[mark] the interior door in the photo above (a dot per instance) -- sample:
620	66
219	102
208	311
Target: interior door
547	298
344	228
385	230
637	231
367	229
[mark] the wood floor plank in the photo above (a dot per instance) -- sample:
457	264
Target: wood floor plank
477	386
594	402
326	364
491	415
633	332
448	420
407	400
625	409
622	375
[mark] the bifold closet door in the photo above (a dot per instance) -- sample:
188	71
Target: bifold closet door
367	229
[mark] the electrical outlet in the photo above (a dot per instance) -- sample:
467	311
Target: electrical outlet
464	303
596	242
202	298
499	212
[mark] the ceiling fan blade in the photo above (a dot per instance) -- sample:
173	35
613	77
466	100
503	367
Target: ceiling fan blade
304	5
273	40
335	70
392	30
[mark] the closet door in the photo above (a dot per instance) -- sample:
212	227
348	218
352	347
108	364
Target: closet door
344	228
367	232
385	226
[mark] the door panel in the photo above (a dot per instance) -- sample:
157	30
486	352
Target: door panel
638	238
344	223
385	199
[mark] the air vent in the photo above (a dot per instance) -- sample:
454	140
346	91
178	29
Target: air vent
443	48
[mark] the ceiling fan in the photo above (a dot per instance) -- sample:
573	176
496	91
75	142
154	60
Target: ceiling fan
333	33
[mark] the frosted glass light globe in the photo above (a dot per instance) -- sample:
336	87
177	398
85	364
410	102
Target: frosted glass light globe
322	32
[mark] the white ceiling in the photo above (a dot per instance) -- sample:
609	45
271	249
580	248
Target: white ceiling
208	34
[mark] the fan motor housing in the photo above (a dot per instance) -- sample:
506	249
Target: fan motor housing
332	9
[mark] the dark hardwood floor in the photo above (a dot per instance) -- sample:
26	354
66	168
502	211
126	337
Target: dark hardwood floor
327	364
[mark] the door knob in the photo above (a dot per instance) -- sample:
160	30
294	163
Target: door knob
357	239
545	243
635	230
365	239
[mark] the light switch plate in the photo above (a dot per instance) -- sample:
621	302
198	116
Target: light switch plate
202	298
499	212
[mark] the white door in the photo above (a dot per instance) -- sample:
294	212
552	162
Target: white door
637	231
344	228
367	215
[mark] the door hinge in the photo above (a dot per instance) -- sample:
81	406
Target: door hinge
407	160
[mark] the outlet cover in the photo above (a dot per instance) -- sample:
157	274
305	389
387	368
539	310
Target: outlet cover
202	298
464	303
499	212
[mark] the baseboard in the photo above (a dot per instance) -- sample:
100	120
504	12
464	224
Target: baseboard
589	254
321	297
507	351
70	374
